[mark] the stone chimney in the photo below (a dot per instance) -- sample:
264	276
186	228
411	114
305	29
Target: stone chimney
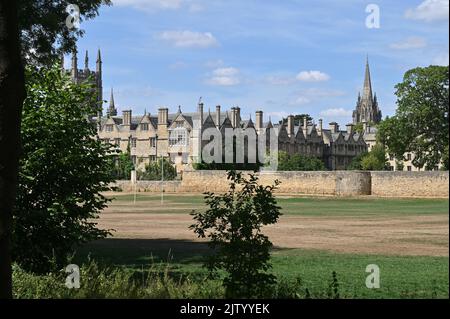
127	117
305	126
163	114
320	127
290	125
334	127
350	128
218	116
200	112
259	120
233	117
238	116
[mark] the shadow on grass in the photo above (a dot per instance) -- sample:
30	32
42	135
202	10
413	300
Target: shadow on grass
139	253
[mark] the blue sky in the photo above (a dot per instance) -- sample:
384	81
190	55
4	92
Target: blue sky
284	57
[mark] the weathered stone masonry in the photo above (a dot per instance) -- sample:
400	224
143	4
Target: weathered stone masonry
332	183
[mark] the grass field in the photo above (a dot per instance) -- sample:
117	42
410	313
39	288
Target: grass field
406	238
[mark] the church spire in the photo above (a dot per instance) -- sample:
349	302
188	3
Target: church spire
86	61
112	111
367	90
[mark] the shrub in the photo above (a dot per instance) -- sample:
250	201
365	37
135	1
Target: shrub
154	171
233	224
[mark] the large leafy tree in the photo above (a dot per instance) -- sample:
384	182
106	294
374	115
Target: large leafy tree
63	171
33	31
420	124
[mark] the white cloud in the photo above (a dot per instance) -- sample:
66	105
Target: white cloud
335	112
409	43
429	10
312	76
224	77
300	101
189	39
441	59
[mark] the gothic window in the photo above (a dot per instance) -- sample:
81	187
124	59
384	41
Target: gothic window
144	127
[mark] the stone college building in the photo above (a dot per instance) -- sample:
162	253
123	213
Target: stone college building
176	135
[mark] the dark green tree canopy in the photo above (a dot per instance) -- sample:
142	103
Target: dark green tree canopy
299	162
420	124
44	33
298	119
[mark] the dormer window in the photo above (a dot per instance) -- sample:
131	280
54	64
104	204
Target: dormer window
109	127
144	127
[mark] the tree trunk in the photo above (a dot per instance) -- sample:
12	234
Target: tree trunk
12	93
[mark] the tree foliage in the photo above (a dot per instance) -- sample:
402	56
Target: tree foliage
420	124
375	160
44	33
233	225
154	171
298	119
122	166
299	162
62	172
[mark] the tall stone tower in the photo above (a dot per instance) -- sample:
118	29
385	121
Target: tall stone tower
82	75
367	106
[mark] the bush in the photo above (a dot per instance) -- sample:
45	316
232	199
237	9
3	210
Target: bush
233	224
154	171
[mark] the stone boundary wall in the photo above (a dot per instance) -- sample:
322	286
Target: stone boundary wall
332	183
149	186
410	184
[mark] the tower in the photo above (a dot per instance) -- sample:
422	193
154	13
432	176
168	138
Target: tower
367	109
74	71
112	111
86	62
99	84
